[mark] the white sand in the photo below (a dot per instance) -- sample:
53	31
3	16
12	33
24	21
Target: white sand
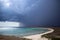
38	36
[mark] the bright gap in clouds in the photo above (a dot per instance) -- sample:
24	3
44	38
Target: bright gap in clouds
6	3
19	6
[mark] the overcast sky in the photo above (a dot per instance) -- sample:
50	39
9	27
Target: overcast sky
31	12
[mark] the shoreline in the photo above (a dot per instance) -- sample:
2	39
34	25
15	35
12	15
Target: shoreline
39	36
55	34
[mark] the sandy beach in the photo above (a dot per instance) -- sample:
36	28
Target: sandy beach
39	36
34	37
55	34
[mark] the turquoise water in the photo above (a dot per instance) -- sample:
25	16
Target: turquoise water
23	31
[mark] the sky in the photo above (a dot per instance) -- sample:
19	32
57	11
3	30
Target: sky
31	12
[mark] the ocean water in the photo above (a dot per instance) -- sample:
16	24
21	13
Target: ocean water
22	31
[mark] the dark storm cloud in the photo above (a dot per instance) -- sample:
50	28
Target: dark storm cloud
32	12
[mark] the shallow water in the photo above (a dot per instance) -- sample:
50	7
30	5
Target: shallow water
22	31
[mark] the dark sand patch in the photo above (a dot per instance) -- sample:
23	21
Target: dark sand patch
2	37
